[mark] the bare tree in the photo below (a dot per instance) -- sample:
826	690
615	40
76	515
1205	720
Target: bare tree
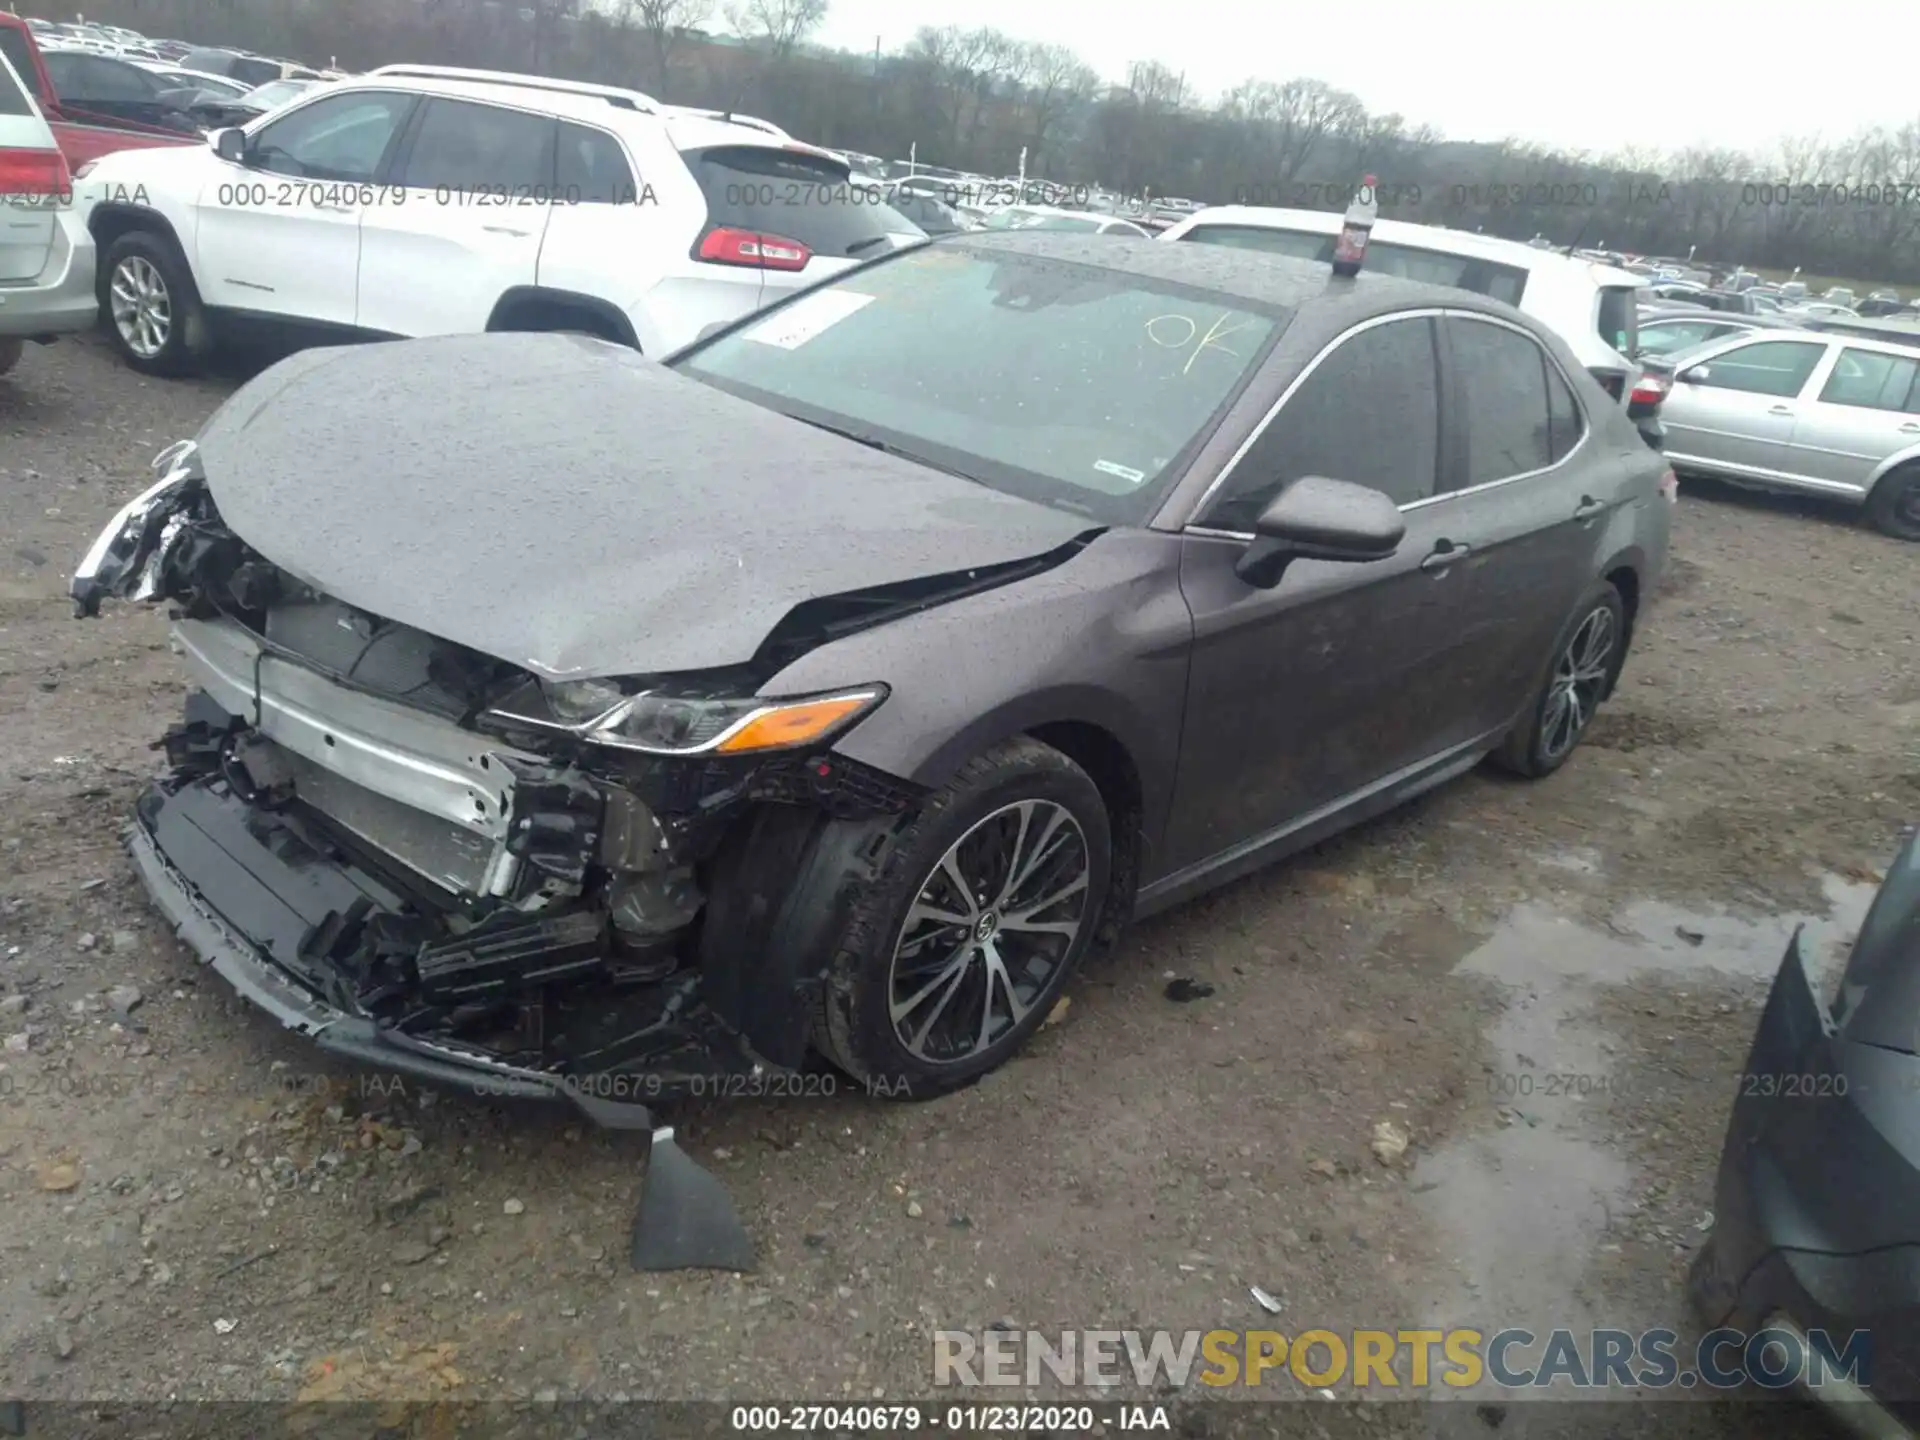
663	22
781	25
1054	81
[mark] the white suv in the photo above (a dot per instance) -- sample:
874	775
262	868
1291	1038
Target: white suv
1592	307
46	256
422	200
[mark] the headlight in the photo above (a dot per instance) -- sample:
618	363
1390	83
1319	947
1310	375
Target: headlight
661	722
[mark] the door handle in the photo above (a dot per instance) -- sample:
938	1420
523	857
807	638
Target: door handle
1587	508
1445	554
1779	409
335	209
506	230
1910	428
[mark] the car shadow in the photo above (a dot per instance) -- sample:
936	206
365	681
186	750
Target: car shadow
1776	502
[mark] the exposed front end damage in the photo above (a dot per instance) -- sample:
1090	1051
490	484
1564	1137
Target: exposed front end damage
394	846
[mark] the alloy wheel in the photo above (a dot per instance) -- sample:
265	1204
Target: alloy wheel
142	306
988	931
1579	679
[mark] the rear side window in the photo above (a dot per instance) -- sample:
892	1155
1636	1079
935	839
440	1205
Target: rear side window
1873	381
795	197
592	169
13	45
1503	382
1330	426
462	146
1618	318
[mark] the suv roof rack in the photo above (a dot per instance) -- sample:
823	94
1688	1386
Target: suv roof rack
752	122
621	99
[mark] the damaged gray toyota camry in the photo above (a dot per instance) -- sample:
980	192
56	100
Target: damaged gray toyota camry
572	724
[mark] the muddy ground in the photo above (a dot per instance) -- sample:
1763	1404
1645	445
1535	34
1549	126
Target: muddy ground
194	1205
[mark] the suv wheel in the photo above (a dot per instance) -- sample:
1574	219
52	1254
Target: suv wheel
150	304
987	901
1894	506
1586	661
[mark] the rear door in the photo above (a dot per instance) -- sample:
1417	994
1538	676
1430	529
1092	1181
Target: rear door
1864	409
1735	409
1532	486
474	187
28	169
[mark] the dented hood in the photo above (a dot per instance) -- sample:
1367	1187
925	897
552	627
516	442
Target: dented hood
573	508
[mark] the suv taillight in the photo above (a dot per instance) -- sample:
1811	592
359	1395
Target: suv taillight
1650	390
750	247
35	172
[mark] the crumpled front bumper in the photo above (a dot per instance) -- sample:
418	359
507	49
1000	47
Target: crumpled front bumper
243	890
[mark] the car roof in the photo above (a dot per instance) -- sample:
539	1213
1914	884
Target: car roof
1516	253
1248	275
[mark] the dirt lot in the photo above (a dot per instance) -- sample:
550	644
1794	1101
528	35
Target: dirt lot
221	1215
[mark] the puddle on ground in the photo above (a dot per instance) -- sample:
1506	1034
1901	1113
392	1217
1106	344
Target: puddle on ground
1522	1207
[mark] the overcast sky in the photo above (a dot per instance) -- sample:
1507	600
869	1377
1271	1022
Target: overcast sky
1586	76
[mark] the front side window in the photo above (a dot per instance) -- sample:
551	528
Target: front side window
1503	382
464	147
1873	381
1766	367
1333	426
1080	387
343	137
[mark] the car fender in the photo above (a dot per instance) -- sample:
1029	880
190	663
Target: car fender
1893	462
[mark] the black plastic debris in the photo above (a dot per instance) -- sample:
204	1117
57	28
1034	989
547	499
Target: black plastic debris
1183	991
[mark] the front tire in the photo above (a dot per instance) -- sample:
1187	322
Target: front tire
986	902
1894	506
1587	657
150	305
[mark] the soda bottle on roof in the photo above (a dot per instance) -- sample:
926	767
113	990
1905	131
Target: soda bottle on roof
1350	250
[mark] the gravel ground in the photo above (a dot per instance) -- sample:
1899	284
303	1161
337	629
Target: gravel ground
197	1206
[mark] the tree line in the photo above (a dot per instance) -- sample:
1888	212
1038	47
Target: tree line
973	98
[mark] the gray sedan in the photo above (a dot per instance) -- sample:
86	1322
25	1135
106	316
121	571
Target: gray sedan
1800	410
597	727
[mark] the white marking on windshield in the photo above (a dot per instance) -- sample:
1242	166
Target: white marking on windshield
1163	330
1125	472
806	318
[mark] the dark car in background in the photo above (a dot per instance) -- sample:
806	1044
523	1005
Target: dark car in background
1816	1217
100	88
842	697
253	69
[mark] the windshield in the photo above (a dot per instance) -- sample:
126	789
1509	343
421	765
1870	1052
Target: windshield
1077	386
276	92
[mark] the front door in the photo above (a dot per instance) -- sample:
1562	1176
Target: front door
1735	410
1342	674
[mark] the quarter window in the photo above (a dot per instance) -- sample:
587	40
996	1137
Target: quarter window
1766	367
1873	381
593	169
1563	411
1503	383
1335	425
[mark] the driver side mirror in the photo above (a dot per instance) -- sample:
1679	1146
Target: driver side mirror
229	145
1693	375
1315	518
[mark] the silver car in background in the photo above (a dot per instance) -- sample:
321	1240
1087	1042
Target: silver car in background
1793	410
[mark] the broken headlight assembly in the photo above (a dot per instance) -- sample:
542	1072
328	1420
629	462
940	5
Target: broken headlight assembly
670	722
134	545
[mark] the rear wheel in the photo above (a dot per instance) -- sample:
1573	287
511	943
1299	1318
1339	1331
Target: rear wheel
10	352
986	903
1586	661
1894	506
151	306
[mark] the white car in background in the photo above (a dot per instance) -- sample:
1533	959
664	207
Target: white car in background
1593	307
46	255
423	200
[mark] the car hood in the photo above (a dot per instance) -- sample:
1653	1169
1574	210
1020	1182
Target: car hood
568	506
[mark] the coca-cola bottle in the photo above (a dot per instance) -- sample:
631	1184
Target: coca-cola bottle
1351	248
